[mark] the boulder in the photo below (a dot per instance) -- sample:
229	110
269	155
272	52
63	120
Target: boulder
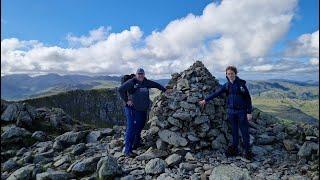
155	166
22	173
54	175
108	168
85	166
228	172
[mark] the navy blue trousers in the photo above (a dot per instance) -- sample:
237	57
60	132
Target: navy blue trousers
239	120
135	123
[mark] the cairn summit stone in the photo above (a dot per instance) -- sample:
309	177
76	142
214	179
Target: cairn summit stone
180	119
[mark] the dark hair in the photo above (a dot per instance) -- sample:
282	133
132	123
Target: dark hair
232	68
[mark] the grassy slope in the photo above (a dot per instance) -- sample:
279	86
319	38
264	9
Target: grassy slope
289	109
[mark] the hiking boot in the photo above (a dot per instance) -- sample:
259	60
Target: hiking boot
231	151
248	155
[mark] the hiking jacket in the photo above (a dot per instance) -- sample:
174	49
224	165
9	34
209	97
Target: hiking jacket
238	96
139	91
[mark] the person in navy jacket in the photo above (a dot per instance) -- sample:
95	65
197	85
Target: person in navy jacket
136	107
239	109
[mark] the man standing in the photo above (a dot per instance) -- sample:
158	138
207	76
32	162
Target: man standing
239	108
136	108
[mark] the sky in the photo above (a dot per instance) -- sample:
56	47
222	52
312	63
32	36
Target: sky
264	39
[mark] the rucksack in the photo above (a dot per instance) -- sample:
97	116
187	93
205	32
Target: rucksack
127	77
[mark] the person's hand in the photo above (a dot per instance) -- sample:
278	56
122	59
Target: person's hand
202	102
249	117
130	103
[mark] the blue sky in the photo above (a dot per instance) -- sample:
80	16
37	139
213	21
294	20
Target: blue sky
49	23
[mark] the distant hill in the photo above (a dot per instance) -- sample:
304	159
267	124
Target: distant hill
22	86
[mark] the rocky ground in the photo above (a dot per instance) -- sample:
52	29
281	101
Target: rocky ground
182	141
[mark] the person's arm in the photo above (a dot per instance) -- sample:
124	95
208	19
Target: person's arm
248	100
152	84
124	88
217	93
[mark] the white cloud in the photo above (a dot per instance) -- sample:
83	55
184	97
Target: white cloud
232	32
284	66
93	37
314	61
306	45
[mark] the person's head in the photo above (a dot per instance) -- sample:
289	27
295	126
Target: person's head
231	72
140	74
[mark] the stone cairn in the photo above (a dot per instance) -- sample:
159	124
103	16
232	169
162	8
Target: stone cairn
177	120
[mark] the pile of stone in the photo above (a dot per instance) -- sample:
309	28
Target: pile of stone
177	120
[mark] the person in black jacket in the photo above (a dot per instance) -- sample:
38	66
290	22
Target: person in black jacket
239	109
136	107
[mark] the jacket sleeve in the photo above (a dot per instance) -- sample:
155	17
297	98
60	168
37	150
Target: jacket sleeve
124	88
217	93
248	100
152	84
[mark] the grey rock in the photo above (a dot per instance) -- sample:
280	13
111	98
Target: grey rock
172	138
201	119
307	148
265	139
151	154
160	144
193	138
39	136
71	137
173	159
94	136
185	116
62	160
259	151
107	132
228	172
108	168
289	145
57	145
22	173
24	119
155	166
219	142
187	166
85	166
187	105
189	157
183	84
54	175
175	122
79	149
14	132
10	113
9	165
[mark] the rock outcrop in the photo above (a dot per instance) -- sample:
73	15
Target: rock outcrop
101	107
